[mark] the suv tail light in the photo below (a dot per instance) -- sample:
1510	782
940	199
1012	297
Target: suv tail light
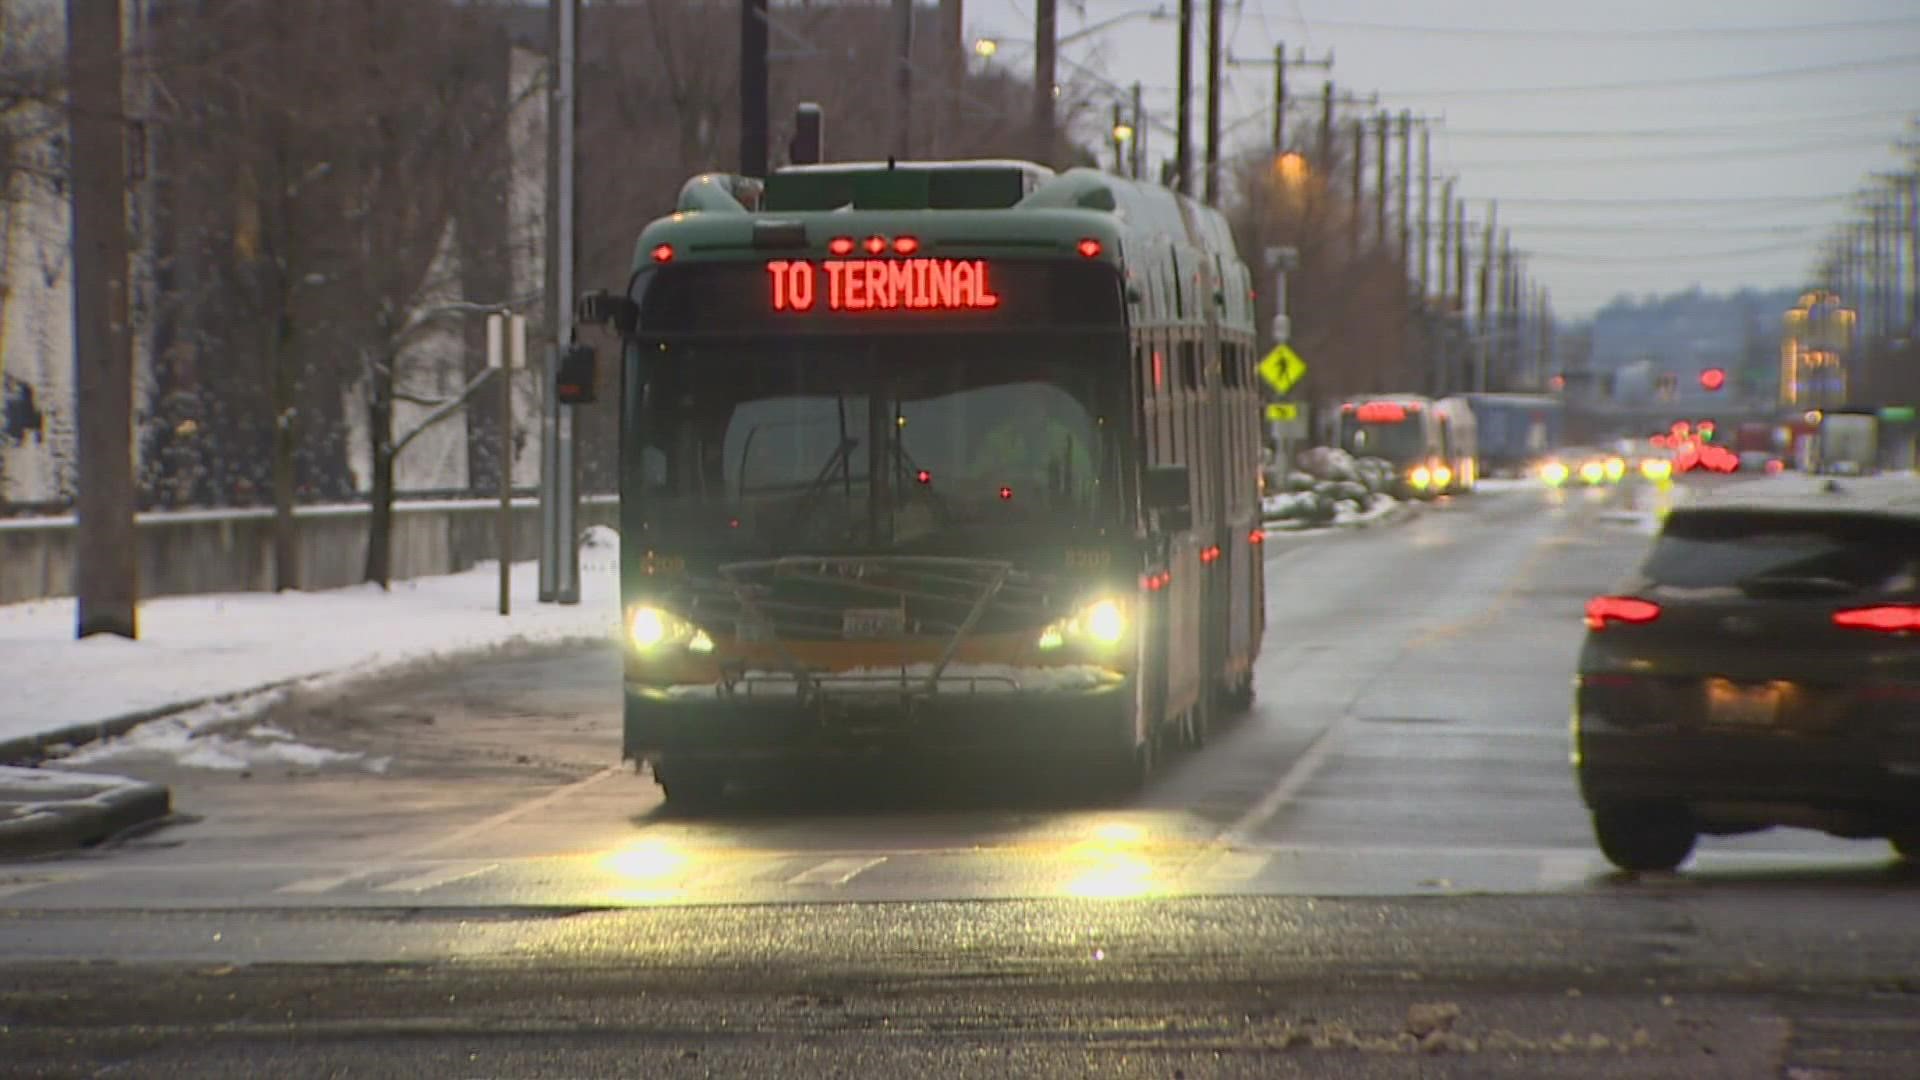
1602	610
1887	618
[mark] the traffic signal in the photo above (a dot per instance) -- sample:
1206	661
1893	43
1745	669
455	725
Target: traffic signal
1713	379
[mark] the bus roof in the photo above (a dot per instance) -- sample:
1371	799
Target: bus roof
1158	239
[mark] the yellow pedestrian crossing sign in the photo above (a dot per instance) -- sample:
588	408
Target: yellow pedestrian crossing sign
1282	411
1282	368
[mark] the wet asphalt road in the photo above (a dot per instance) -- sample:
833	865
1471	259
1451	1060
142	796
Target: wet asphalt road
1394	825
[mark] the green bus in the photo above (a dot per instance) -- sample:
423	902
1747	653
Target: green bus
947	458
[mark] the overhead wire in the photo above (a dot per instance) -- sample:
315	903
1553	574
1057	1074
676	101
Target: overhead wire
1843	67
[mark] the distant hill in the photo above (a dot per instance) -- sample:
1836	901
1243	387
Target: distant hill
1638	340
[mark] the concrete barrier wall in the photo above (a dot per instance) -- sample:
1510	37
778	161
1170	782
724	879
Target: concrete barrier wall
185	552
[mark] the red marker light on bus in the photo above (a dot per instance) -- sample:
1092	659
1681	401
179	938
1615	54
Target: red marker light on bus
841	245
663	253
924	476
1257	536
905	245
876	244
1006	493
1090	248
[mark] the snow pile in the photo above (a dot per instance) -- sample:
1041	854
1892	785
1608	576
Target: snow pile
204	650
1332	487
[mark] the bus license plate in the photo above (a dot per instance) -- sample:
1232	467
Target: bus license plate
873	622
1731	705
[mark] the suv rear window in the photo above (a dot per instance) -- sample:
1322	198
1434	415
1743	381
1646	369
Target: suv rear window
1775	551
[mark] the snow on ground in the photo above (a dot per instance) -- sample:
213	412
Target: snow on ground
1344	514
1495	485
243	646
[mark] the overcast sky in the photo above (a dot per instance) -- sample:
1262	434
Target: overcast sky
1534	116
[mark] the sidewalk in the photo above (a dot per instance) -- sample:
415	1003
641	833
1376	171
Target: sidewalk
196	650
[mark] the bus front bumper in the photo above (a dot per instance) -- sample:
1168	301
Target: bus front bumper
738	730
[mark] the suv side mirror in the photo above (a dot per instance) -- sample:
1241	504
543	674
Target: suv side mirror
574	383
1167	487
601	308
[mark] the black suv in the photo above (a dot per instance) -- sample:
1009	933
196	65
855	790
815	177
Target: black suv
1762	668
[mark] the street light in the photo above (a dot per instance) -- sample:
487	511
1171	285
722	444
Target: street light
1123	133
1291	167
985	47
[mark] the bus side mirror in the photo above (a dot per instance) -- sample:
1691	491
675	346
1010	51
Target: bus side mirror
574	384
1167	487
601	308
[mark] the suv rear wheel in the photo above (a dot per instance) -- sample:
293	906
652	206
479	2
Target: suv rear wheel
1643	838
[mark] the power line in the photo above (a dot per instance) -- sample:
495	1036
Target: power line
1654	200
1664	257
1703	131
1665	229
1845	67
1702	154
1596	34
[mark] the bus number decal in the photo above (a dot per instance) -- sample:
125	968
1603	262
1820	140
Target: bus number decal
663	564
1089	558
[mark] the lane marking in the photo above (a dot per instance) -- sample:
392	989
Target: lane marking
835	871
432	879
1568	868
21	885
1303	770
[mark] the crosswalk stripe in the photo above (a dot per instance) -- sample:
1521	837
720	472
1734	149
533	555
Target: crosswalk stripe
313	885
445	875
834	871
1236	866
20	885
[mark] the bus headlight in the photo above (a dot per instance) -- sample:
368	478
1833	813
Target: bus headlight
1554	473
1656	468
1593	472
1616	468
1102	622
651	629
1442	476
1420	477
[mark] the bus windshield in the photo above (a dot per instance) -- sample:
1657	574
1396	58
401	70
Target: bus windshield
1399	442
877	443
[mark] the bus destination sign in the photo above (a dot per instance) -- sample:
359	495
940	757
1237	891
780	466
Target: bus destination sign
798	286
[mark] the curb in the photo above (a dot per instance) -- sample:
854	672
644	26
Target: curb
1399	513
81	823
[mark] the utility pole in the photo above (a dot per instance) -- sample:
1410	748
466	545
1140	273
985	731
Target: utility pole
1504	321
1326	125
953	59
1045	45
559	554
1383	122
1359	182
105	577
1139	147
1279	98
903	79
1212	186
1446	235
1459	256
753	83
1426	208
1183	109
1913	255
1486	282
1406	185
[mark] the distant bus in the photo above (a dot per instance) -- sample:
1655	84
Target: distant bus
1516	430
948	458
1431	444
